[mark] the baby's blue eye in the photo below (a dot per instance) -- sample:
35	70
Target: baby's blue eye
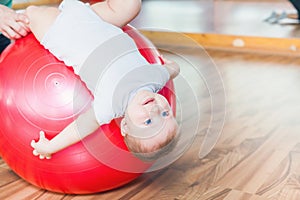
165	113
148	121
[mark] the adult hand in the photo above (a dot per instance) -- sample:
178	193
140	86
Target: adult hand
41	148
13	25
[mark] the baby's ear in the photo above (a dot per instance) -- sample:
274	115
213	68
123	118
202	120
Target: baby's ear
124	127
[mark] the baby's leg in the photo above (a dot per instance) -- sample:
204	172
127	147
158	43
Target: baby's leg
41	18
117	12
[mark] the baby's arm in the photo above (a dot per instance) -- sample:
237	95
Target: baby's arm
117	12
83	126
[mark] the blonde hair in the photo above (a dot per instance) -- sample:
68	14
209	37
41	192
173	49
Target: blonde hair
135	145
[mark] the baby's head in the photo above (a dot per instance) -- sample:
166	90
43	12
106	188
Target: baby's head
149	126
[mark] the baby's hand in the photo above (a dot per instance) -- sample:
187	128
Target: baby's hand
41	148
172	67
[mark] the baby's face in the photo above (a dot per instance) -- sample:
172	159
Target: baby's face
149	113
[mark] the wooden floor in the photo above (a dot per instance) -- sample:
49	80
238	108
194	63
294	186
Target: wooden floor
257	156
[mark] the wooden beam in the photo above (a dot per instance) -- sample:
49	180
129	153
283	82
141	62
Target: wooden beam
18	5
287	46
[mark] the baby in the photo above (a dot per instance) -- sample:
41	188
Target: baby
128	88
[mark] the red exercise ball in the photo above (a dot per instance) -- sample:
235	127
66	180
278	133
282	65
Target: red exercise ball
37	93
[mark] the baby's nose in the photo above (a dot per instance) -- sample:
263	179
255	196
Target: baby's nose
156	109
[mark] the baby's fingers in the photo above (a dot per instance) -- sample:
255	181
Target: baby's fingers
32	144
42	135
45	156
35	153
